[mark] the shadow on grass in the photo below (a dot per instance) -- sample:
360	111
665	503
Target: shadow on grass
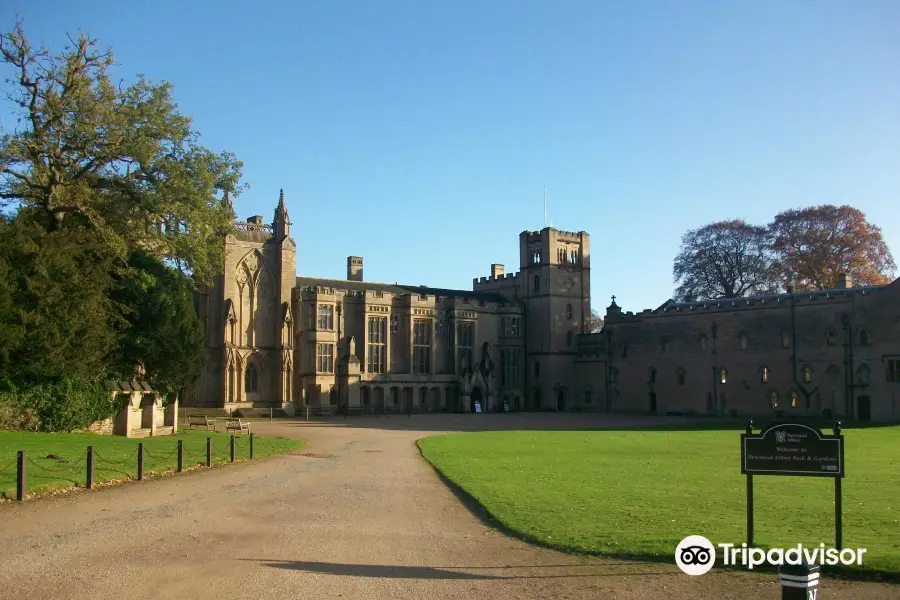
415	572
487	519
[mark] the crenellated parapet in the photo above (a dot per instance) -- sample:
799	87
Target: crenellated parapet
799	299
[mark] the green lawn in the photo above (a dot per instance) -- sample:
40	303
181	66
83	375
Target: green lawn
638	493
67	467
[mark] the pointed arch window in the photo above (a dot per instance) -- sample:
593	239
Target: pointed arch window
831	337
794	399
744	342
568	312
773	399
537	283
862	374
723	376
251	379
864	337
652	375
681	375
785	338
702	339
764	374
807	374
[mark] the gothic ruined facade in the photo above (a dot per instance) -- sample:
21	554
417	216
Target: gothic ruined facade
521	341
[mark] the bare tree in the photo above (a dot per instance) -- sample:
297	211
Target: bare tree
727	259
595	323
813	246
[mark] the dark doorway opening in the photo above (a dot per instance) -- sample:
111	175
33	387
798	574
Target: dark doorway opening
476	396
653	402
863	408
561	400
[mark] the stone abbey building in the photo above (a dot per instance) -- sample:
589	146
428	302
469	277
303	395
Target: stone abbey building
521	341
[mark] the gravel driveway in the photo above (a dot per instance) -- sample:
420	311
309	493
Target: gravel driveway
356	514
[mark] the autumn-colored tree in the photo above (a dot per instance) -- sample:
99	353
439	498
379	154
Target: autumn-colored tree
813	246
726	259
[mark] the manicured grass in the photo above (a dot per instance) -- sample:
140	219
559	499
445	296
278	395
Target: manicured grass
638	493
115	457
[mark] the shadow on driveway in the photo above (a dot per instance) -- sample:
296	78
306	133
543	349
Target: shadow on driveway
412	572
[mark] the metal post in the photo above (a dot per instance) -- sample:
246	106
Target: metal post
251	446
799	582
307	413
208	452
270	414
749	431
838	502
180	456
21	461
140	461
89	479
232	448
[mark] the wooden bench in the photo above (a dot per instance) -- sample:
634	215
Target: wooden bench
236	425
201	421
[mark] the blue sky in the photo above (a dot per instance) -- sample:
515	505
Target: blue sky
420	134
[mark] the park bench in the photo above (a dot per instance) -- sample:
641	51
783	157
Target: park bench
201	421
236	425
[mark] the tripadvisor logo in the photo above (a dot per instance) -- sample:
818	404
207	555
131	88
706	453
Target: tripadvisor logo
696	555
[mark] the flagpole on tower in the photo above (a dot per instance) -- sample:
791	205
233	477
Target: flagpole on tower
545	206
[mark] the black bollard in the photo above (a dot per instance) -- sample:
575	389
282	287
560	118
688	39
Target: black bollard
180	456
232	448
140	461
20	475
799	582
251	446
89	479
208	452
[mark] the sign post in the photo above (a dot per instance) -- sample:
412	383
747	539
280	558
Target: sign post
793	449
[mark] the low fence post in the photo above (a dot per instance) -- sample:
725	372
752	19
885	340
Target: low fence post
21	461
89	479
140	461
251	446
232	448
180	455
208	451
799	582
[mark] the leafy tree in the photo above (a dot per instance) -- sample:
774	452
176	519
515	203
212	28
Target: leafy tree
164	334
813	246
726	259
117	160
56	317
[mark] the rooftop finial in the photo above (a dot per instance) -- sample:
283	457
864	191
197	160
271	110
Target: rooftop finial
281	211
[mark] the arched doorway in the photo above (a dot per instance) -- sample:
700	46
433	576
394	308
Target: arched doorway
367	399
379	400
863	408
653	402
561	399
476	397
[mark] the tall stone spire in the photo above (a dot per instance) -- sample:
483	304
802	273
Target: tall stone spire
281	211
281	223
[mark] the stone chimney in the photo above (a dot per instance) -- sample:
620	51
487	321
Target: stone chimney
354	268
845	281
496	271
255	220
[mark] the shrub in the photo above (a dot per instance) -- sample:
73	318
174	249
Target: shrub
53	404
